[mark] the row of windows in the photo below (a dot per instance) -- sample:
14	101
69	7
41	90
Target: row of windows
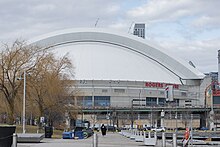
104	101
152	101
184	94
99	101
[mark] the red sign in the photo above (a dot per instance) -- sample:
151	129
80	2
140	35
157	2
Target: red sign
160	85
216	92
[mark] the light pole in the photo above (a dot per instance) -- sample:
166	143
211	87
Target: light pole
24	101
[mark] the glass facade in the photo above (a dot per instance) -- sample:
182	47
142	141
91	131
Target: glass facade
161	101
151	101
154	101
99	101
174	103
102	101
85	101
216	101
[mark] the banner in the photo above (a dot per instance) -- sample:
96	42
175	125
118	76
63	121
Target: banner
169	93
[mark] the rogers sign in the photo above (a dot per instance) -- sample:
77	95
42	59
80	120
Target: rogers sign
160	85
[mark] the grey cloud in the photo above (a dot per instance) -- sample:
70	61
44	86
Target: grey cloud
202	53
29	18
173	10
39	17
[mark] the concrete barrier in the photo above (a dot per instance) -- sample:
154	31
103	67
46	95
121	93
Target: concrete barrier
149	140
14	142
174	140
133	134
95	140
29	137
139	137
163	139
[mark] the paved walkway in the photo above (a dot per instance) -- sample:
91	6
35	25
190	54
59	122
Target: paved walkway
110	140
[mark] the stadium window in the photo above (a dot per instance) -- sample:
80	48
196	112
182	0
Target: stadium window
151	101
102	101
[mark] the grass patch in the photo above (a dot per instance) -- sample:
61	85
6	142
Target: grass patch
34	129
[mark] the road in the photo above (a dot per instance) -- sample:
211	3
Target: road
110	140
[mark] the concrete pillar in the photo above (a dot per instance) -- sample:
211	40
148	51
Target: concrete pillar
211	123
155	135
157	101
163	139
162	114
149	135
174	140
14	142
95	140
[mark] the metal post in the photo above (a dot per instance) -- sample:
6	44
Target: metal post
191	132
14	143
95	140
24	101
174	140
132	115
163	139
176	116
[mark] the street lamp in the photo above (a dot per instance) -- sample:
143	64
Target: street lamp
24	101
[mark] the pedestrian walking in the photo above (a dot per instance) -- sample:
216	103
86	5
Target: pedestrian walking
186	137
103	130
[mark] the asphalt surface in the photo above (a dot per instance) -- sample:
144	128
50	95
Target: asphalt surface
110	140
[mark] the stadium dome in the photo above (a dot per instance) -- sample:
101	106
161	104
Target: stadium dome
100	54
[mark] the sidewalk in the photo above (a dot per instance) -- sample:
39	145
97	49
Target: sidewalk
110	140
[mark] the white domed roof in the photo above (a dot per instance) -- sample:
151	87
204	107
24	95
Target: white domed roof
99	54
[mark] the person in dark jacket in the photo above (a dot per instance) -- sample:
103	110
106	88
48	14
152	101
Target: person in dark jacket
103	130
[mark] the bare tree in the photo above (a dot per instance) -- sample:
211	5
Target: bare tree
46	85
49	85
14	59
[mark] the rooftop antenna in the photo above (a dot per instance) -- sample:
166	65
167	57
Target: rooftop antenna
191	63
96	22
130	27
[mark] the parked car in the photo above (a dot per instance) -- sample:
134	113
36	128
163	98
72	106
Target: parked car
147	128
159	129
87	132
204	129
111	128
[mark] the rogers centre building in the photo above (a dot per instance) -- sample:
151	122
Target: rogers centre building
123	77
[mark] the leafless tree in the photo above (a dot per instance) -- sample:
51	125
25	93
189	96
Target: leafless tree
46	87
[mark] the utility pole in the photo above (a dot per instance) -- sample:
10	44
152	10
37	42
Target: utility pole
24	101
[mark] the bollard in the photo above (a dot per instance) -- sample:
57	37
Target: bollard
14	142
163	139
95	140
144	135
174	140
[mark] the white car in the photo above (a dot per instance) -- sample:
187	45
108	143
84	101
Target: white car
159	129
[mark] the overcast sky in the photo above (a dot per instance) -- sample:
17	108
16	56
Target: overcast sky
188	28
